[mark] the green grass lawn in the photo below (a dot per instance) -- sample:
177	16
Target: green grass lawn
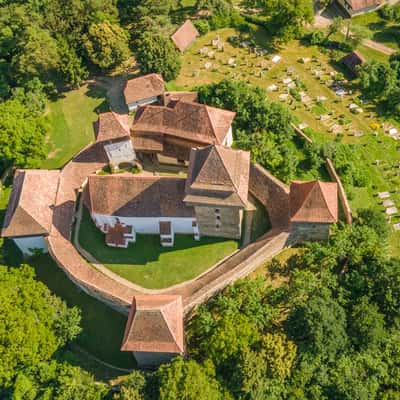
370	147
70	121
150	265
380	30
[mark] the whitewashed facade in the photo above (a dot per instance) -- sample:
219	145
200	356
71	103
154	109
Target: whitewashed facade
148	225
29	244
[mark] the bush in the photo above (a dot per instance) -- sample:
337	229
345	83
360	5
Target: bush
316	37
375	219
202	26
390	13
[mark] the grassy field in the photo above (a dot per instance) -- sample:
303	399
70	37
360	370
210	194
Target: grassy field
380	30
371	147
150	265
70	121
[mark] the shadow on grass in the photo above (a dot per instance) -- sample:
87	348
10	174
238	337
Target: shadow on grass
96	92
388	35
102	327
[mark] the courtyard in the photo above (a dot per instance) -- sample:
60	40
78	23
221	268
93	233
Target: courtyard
150	265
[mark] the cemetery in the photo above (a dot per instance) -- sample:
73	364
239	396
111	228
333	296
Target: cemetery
321	95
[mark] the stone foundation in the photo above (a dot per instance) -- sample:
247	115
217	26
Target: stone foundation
310	232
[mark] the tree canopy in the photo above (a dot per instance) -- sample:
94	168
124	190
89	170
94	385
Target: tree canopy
33	322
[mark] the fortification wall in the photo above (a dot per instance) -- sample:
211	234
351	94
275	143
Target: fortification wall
272	193
344	202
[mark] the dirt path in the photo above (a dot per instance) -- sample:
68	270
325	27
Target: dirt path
379	47
323	19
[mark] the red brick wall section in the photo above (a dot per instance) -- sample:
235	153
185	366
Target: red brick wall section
272	193
342	194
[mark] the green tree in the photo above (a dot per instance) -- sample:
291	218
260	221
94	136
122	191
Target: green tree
21	135
106	45
357	377
253	110
37	56
367	325
72	69
375	220
335	26
319	327
288	17
58	381
156	53
231	334
188	380
33	96
33	322
132	388
378	79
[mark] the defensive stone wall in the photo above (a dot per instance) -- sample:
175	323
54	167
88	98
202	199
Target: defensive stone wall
342	194
272	193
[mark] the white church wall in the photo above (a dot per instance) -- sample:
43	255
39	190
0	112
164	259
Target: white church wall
147	225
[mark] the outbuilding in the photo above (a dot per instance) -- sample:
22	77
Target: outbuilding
154	331
143	90
30	210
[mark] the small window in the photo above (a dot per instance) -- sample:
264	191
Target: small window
194	224
218	217
217	210
217	225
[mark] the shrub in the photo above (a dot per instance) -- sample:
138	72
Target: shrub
202	25
316	37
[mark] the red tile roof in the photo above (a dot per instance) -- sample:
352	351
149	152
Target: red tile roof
155	324
112	126
170	97
187	120
218	175
144	87
148	143
185	35
357	5
313	201
30	209
127	195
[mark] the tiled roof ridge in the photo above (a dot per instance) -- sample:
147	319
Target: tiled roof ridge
170	328
324	197
136	176
117	118
218	150
313	184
